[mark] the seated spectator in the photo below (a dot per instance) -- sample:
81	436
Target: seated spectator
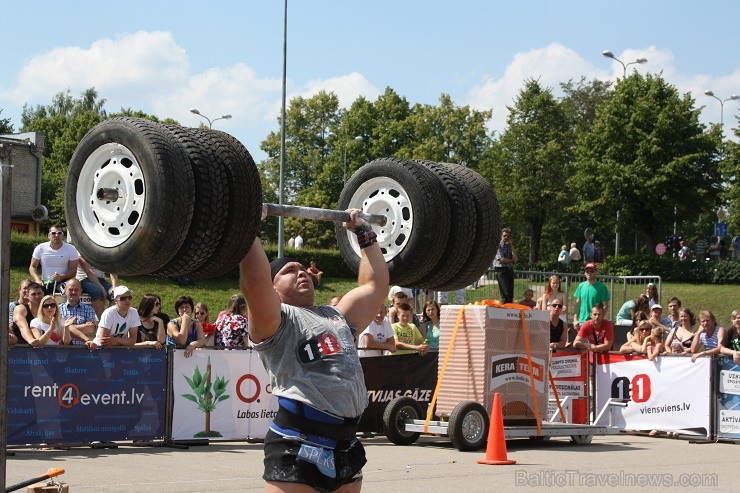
232	327
48	327
185	332
408	338
671	320
527	300
94	283
680	340
158	310
730	345
637	343
627	314
377	337
22	298
709	336
656	318
119	324
25	312
84	322
553	291
558	329
204	317
597	334
315	274
430	324
654	343
151	332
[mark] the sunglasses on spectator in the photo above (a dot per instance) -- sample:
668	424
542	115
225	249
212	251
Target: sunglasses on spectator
50	305
126	298
157	303
56	233
644	330
556	305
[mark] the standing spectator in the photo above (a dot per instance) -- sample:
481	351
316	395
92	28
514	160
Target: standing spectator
58	261
398	299
653	295
715	248
315	274
25	312
558	332
588	247
564	255
408	338
298	241
151	331
597	334
184	332
377	337
598	252
710	333
232	327
22	299
656	319
202	314
95	284
575	254
48	327
84	324
702	246
319	392
681	339
119	325
553	291
588	294
503	265
684	253
730	345
671	320
430	324
291	241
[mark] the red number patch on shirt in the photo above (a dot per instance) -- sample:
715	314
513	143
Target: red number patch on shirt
328	344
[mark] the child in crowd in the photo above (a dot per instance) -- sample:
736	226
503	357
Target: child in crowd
408	338
654	344
528	299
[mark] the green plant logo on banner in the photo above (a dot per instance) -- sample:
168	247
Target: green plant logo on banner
207	395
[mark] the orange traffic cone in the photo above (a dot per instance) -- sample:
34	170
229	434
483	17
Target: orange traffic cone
496	448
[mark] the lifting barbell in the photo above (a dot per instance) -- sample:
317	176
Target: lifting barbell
147	198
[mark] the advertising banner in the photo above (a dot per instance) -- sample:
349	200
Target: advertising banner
656	391
71	395
388	377
570	374
728	399
221	395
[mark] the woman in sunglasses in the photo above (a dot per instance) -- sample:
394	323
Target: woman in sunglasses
202	314
48	327
151	332
638	343
558	330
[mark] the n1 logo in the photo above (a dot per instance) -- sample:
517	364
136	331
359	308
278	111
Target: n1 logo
637	390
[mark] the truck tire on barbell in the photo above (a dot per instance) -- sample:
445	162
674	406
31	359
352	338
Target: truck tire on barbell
418	211
142	231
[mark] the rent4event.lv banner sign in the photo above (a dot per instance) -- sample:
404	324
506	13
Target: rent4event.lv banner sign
670	393
72	395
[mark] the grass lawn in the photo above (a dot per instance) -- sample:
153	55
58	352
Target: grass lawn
720	299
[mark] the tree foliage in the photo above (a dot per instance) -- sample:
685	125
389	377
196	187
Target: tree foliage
645	154
5	126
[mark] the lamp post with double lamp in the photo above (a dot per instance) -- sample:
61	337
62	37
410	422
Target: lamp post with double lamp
210	122
344	176
734	97
609	54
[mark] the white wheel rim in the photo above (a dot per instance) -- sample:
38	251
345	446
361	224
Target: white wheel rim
385	196
110	223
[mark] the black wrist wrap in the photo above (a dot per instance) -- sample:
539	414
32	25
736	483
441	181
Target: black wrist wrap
365	236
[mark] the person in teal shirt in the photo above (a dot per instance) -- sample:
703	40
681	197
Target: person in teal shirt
430	323
588	294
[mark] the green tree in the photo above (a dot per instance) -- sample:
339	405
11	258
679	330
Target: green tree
645	154
730	168
5	126
530	163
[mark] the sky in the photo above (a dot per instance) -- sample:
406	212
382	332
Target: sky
226	56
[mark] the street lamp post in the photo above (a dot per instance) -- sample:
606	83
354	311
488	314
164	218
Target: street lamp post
734	97
609	54
210	122
344	176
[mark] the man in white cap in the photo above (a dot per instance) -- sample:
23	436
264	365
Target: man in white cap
315	372
119	323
